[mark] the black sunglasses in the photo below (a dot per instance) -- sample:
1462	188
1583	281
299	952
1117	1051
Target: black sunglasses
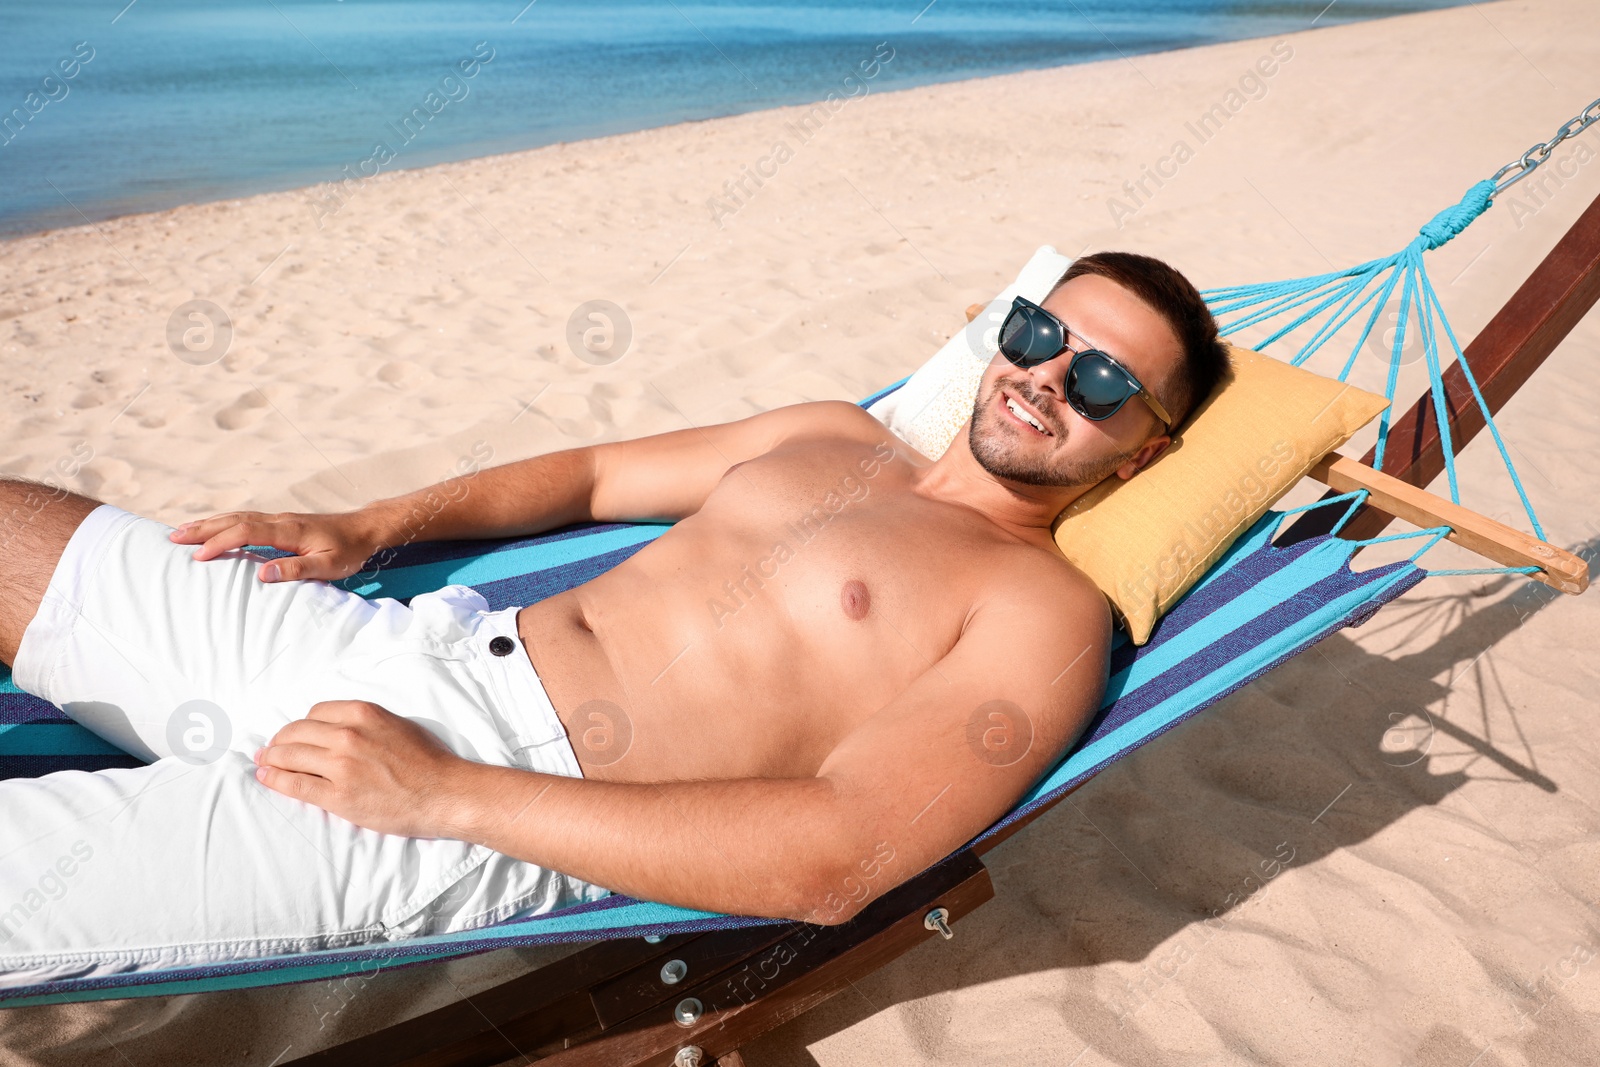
1096	385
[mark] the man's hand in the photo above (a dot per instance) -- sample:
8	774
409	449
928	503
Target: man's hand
324	546
367	765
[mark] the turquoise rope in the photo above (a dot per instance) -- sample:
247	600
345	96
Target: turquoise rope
1307	300
1483	405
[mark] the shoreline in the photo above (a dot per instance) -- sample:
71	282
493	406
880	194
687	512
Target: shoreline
808	104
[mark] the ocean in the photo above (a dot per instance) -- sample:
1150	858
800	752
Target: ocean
109	107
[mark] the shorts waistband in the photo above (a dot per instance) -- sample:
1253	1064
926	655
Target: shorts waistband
539	735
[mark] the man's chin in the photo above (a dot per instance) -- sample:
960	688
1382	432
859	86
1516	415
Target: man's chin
1001	460
998	455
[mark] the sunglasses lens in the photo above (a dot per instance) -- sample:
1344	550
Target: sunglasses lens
1027	338
1096	388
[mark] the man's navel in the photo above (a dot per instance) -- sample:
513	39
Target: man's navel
854	599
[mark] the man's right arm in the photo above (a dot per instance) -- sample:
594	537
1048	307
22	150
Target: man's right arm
664	477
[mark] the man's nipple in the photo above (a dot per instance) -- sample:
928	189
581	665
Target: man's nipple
854	599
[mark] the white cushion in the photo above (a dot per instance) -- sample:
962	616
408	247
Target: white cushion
927	411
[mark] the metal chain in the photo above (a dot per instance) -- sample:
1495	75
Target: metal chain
1536	155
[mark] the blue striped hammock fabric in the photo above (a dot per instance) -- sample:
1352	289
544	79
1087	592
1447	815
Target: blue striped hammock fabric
1258	606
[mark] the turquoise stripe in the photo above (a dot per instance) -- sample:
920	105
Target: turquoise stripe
437	947
216	983
639	913
6	684
496	566
53	739
1160	715
1312	567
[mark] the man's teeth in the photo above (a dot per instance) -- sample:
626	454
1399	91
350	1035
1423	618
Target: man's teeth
1024	416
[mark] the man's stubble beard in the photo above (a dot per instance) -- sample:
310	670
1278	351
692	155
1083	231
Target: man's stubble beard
999	458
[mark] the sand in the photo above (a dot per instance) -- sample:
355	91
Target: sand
1427	783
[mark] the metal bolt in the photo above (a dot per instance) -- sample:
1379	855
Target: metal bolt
673	972
939	920
688	1056
688	1011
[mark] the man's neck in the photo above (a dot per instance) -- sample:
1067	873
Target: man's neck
1025	511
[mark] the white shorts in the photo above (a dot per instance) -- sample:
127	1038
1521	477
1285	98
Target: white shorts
194	666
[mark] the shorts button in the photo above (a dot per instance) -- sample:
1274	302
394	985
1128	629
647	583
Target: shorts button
502	646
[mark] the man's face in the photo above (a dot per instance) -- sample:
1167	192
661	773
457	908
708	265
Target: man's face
1074	450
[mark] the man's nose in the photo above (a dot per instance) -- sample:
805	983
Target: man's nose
1050	376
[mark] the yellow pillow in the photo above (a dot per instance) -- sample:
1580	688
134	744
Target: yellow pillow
1146	540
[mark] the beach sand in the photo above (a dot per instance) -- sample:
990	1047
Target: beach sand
1428	780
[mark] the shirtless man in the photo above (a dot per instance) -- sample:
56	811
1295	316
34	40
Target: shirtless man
801	700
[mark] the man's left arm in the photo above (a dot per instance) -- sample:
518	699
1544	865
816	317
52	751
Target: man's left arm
921	777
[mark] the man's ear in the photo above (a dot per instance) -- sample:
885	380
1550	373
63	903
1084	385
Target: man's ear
1144	457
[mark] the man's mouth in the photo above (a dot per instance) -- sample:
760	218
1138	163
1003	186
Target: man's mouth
1023	414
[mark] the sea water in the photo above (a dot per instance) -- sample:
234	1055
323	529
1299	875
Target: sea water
109	107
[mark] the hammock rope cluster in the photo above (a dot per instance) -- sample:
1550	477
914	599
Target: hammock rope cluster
1335	298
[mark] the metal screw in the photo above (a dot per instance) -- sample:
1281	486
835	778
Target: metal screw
653	939
688	1011
939	920
673	972
688	1056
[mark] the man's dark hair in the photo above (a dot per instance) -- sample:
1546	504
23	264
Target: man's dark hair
1171	296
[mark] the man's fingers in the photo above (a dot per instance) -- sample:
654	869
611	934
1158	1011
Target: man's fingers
299	757
286	569
237	536
307	787
342	712
200	529
311	731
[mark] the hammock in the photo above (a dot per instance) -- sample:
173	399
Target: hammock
1258	606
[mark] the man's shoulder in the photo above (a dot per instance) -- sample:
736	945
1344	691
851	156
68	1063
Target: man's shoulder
834	419
1044	586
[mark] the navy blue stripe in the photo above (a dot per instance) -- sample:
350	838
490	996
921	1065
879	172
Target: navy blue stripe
38	766
19	708
1240	578
1355	617
532	588
1228	647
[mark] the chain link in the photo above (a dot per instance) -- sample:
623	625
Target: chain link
1536	155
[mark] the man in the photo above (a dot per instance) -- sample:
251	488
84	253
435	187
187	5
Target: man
843	661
